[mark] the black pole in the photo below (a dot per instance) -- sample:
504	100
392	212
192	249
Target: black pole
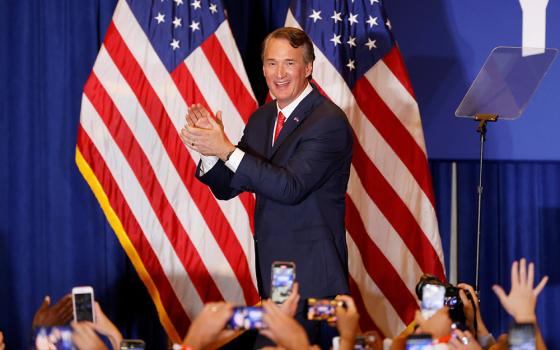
481	129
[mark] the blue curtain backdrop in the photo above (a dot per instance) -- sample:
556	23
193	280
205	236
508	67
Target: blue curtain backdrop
54	236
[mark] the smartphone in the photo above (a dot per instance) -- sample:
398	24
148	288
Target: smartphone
419	342
57	337
283	278
132	344
433	296
83	301
521	336
322	309
246	317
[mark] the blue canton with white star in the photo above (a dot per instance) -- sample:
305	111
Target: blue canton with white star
352	34
176	28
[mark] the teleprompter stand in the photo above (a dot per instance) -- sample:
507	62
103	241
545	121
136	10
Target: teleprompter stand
502	89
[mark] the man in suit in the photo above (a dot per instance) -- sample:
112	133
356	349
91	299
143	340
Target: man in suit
295	156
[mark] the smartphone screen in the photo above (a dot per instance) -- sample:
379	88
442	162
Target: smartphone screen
246	317
82	298
522	337
359	343
419	342
58	337
432	299
132	344
283	277
322	309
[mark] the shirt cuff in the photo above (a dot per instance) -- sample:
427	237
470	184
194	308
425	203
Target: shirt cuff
235	159
207	163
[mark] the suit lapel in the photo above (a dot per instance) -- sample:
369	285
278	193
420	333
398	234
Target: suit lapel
296	118
270	123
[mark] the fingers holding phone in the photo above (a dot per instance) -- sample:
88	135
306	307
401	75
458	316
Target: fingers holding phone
283	279
208	325
284	330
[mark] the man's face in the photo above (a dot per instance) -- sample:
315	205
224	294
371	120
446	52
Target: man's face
285	70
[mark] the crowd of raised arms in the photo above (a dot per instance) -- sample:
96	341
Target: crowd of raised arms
457	325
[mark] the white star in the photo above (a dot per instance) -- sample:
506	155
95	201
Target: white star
195	4
336	16
336	39
213	8
316	16
388	24
175	44
160	17
372	21
177	22
350	65
351	41
372	1
195	26
352	18
371	44
178	2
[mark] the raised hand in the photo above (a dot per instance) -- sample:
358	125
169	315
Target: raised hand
522	298
347	318
59	314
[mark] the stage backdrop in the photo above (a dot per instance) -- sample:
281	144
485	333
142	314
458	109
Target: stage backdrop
445	43
53	234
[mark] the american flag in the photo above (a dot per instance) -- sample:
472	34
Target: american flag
391	224
159	57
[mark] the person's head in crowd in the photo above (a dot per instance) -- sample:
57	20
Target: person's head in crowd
464	308
2	346
463	313
459	301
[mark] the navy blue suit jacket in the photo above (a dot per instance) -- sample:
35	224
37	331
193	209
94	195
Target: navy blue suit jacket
300	185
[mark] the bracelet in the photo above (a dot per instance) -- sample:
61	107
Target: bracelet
229	154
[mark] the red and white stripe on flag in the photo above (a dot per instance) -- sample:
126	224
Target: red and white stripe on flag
187	247
391	224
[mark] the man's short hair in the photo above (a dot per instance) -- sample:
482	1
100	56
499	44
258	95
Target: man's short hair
296	37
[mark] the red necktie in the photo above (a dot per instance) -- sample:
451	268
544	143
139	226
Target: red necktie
279	125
